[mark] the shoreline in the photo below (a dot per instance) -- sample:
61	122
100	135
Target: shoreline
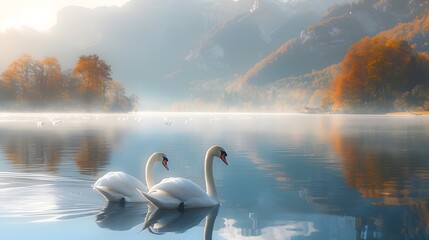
410	113
407	113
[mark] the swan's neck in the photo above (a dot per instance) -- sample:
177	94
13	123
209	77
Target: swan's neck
148	172
208	172
210	220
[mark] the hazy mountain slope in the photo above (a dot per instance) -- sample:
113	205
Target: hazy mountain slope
416	32
287	94
237	44
292	93
326	43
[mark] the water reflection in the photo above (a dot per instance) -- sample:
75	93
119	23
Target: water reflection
121	217
93	153
387	167
274	224
291	177
161	221
44	197
28	150
47	150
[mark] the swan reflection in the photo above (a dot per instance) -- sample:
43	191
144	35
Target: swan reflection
121	217
160	221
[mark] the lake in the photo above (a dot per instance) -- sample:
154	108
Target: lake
290	176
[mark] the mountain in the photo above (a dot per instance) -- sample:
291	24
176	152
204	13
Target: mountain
284	88
415	31
160	49
326	43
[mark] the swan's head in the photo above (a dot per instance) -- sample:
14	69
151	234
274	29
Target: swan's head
160	157
220	153
165	161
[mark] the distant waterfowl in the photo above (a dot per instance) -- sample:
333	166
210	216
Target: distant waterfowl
39	123
182	193
56	121
167	122
121	187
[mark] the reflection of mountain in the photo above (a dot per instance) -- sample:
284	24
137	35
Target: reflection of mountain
386	168
366	172
46	149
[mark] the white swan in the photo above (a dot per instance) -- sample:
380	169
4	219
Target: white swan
119	186
182	193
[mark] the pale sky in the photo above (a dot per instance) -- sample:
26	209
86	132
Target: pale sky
41	14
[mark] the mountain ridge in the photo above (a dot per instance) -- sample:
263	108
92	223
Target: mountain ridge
327	42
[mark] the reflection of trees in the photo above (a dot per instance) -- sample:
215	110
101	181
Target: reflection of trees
35	150
93	153
385	167
31	150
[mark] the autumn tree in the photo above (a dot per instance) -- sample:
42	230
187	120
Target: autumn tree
416	98
48	80
70	90
95	75
17	78
375	72
116	98
31	84
7	92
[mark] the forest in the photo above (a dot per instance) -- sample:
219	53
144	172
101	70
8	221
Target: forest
380	75
30	84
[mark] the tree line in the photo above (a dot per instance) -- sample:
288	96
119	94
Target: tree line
37	85
380	75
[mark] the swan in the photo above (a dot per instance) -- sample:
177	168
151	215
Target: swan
181	193
121	187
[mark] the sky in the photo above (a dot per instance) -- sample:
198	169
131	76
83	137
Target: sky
41	14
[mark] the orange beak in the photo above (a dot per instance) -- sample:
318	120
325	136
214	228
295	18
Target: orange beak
165	164
223	157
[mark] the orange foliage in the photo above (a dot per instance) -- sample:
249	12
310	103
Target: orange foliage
31	84
374	71
407	31
95	74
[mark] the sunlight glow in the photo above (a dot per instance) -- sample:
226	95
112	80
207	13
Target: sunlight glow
41	15
38	18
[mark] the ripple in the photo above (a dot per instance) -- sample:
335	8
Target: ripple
46	197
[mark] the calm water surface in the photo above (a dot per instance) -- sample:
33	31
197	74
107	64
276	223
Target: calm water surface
289	177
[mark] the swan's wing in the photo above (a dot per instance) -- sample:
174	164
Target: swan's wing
116	185
170	192
180	188
162	200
